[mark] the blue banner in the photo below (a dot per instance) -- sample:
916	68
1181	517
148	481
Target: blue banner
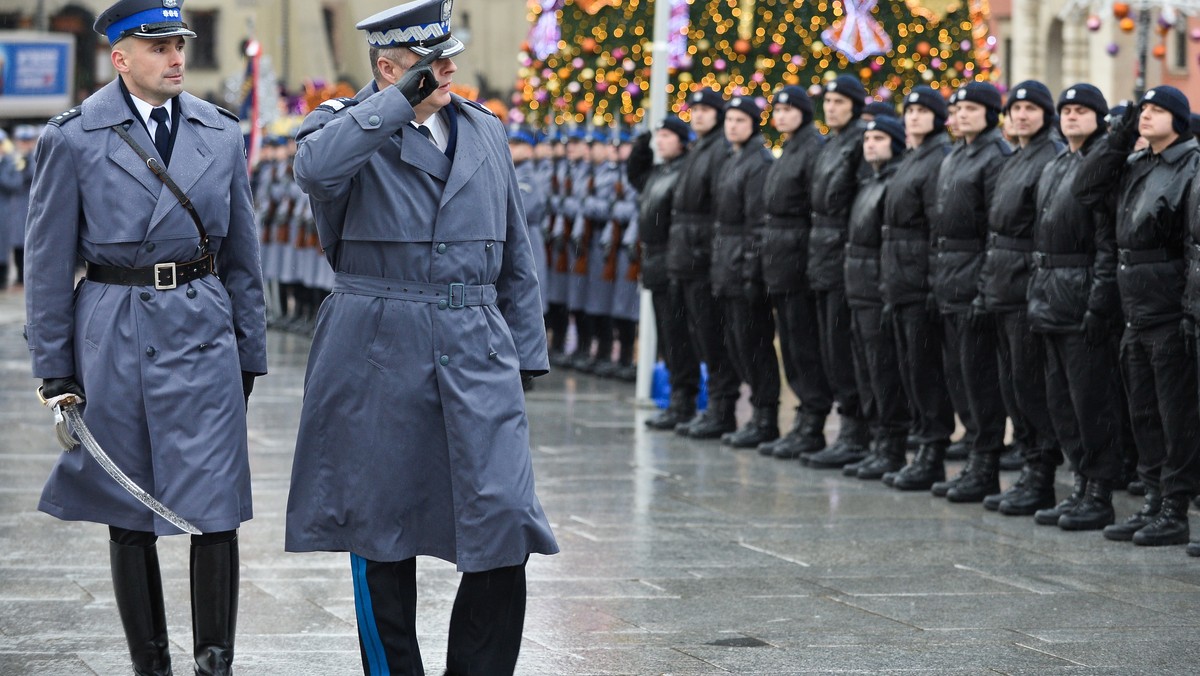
34	69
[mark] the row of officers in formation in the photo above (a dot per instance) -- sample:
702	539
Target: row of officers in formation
1035	259
16	179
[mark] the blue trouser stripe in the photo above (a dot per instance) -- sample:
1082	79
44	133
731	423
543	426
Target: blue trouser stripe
368	631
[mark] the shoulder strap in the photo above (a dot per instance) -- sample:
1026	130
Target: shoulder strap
157	168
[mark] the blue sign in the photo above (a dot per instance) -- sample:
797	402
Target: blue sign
34	69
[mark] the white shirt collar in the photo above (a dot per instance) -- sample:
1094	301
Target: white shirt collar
439	129
144	109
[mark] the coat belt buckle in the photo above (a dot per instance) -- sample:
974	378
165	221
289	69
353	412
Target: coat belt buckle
461	289
1123	256
168	284
1039	259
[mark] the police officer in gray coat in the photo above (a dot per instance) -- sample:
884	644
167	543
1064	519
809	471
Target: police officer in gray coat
413	437
165	333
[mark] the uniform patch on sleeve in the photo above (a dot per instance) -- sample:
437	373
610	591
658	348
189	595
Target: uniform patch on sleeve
61	118
336	105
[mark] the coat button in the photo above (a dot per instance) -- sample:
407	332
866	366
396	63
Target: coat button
444	360
442	305
191	293
441	248
150	246
374	119
150	352
145	295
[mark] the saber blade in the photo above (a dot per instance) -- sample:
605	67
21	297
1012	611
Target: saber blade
75	418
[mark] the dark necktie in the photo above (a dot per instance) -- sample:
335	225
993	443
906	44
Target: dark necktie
162	134
426	133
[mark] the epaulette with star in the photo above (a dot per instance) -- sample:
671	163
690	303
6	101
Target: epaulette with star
62	118
338	104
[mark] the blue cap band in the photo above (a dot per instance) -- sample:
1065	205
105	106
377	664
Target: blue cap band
151	17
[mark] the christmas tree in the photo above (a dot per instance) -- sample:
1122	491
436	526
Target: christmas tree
589	60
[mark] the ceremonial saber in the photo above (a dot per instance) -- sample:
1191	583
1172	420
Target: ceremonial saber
66	407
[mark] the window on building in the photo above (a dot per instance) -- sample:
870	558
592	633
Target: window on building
1179	46
202	51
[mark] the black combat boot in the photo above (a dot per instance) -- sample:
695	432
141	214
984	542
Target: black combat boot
851	446
768	447
889	457
981	482
684	429
927	467
1170	527
872	453
1094	511
1151	506
763	427
717	420
681	409
1193	548
1051	515
214	578
940	488
958	450
137	586
1136	487
1013	457
992	502
809	439
1036	494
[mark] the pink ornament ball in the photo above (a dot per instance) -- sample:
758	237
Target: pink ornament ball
1194	35
1093	23
1112	48
757	77
719	64
936	63
875	66
577	62
775	48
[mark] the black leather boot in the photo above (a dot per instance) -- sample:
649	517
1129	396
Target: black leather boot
683	429
851	446
767	448
1151	506
889	457
1136	487
1094	511
1037	493
927	467
992	502
716	421
1193	548
763	426
958	450
1170	527
137	586
1013	457
681	409
810	438
214	578
1051	515
940	488
980	483
872	453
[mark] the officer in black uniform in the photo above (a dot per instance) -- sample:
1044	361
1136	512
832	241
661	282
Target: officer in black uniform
835	181
1004	283
689	255
737	271
787	201
909	210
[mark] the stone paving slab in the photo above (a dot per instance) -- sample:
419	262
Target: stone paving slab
679	557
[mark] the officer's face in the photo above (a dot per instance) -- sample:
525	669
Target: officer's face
1155	123
1027	119
576	150
598	152
704	119
443	69
786	118
970	118
918	120
520	151
839	110
877	146
738	126
152	69
543	151
1077	122
25	147
668	143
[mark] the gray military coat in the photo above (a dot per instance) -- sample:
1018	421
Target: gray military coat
413	437
160	368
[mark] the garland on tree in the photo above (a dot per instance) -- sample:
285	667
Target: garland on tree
589	60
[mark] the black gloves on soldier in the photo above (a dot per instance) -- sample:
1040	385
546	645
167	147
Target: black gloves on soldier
53	387
419	82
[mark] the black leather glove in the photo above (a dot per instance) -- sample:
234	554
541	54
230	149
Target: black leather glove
248	384
1094	330
932	312
419	81
1124	130
1187	328
53	387
977	314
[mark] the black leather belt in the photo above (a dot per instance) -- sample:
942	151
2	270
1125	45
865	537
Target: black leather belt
965	245
162	276
1143	256
999	241
892	232
1045	260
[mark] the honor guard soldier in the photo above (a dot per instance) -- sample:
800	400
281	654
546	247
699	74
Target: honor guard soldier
787	202
164	334
522	141
592	290
1153	194
622	267
16	180
567	236
689	257
835	181
558	318
413	436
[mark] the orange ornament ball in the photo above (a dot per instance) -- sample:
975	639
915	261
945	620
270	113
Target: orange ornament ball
1127	25
1159	52
923	48
582	106
1120	10
742	46
588	45
865	73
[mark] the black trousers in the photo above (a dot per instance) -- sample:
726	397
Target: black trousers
1023	363
979	374
877	370
919	356
837	354
674	343
800	343
704	320
1084	403
750	342
485	624
557	321
1160	383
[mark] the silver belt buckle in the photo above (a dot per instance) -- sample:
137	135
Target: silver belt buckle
159	270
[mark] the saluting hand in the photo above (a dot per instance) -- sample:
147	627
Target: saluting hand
419	82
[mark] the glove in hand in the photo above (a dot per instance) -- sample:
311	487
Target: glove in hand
419	82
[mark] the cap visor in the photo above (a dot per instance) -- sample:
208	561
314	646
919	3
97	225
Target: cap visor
168	33
451	46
